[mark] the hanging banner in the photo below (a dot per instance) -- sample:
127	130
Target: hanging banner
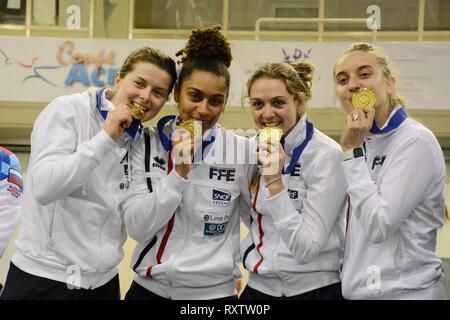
40	69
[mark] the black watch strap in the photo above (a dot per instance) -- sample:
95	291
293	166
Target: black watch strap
353	153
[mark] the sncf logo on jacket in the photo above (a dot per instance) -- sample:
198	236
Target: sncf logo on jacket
220	197
222	174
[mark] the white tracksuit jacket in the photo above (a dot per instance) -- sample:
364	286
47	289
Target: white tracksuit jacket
196	256
71	227
296	237
397	204
11	190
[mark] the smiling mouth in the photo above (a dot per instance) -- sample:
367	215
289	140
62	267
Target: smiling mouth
272	124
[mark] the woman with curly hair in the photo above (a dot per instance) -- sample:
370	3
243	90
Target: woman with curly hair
183	210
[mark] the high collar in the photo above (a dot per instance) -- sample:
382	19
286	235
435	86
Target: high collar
390	117
166	126
386	123
296	136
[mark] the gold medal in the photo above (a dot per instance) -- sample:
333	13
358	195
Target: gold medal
272	134
136	110
192	126
365	97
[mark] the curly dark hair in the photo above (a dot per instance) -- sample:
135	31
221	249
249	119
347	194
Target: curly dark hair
206	50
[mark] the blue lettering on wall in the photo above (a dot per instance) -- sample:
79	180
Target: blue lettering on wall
78	73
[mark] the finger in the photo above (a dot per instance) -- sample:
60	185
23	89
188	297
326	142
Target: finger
182	130
358	114
262	160
370	114
353	121
280	149
126	122
366	118
263	146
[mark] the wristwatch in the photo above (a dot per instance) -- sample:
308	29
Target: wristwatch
352	154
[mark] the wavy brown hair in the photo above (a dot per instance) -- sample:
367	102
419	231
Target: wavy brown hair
153	56
297	77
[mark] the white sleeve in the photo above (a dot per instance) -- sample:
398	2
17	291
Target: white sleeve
382	209
59	164
306	233
10	200
8	219
144	212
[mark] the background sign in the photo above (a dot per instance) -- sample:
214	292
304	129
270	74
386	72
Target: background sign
40	69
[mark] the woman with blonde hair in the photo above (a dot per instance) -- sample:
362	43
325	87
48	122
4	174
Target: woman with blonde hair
395	171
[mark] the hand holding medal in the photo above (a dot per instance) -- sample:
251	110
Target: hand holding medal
193	127
270	153
360	120
184	145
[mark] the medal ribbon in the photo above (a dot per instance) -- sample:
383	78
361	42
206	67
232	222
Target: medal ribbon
299	149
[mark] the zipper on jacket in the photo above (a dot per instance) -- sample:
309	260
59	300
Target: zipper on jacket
51	231
276	270
170	268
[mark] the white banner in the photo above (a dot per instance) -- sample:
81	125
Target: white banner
40	69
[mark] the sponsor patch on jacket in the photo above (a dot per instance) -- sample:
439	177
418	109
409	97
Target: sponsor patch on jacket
15	178
159	163
293	194
215	225
296	171
378	161
222	174
15	192
220	197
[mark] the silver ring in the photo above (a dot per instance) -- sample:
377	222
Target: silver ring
355	117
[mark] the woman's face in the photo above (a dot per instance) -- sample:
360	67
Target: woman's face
146	85
359	69
201	97
273	106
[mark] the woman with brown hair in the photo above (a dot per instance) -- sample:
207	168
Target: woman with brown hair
294	247
72	231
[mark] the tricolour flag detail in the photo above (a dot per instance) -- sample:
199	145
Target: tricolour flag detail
15	177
